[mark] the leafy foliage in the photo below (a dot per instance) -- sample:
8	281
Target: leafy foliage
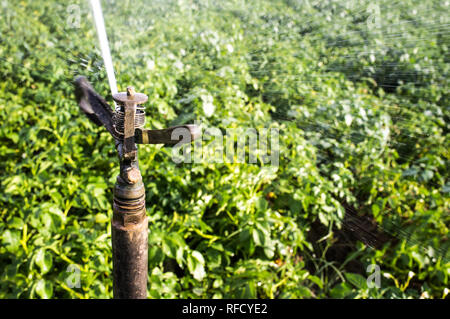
363	115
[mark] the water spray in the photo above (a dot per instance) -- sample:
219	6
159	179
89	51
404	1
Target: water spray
104	46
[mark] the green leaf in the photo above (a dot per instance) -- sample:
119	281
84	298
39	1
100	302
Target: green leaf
248	291
101	218
341	290
261	204
198	256
11	240
195	263
44	260
269	249
357	280
218	283
180	256
303	292
375	209
199	272
169	247
258	237
426	175
316	280
16	223
12	185
44	289
324	219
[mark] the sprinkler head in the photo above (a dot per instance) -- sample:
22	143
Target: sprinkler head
130	96
101	113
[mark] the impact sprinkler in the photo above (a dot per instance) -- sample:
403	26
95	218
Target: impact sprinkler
129	221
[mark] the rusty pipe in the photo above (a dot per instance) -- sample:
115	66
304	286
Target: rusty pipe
130	238
129	222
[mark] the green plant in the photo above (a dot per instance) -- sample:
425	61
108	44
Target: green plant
363	118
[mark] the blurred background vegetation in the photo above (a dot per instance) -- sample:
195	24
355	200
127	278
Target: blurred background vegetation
359	90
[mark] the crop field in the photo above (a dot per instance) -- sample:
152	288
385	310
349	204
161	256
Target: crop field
357	205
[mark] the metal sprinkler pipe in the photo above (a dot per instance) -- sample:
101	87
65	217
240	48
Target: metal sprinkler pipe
129	221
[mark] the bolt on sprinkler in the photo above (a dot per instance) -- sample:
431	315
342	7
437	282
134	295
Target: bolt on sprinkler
129	222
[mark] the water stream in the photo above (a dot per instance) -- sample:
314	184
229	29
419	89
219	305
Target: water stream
104	46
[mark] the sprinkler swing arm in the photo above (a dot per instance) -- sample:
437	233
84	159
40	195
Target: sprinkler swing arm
130	222
101	113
